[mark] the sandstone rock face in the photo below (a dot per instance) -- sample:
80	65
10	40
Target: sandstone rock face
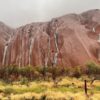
69	40
5	33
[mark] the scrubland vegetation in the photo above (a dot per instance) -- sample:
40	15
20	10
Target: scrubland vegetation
50	83
67	89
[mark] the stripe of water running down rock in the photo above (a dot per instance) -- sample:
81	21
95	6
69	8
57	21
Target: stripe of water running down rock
6	50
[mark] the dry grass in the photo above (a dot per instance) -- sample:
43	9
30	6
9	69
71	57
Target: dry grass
67	89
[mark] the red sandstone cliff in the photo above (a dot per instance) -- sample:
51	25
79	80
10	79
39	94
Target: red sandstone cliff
69	40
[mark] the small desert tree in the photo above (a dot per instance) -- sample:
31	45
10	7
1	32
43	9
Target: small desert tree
56	74
93	70
75	71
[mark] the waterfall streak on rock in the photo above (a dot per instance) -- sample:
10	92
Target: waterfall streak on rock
57	49
30	52
93	30
6	50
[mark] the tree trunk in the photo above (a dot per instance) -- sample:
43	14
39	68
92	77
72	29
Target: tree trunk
85	86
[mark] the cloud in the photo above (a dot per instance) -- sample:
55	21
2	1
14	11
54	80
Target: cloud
19	12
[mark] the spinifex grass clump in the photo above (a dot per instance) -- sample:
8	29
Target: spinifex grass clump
68	88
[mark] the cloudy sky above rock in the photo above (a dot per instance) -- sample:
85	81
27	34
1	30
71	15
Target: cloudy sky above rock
19	12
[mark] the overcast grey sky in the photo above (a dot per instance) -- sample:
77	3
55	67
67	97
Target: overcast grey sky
19	12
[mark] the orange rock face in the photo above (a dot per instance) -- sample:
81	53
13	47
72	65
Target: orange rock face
69	40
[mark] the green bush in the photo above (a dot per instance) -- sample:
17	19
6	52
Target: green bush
24	81
92	68
27	71
42	71
14	73
75	71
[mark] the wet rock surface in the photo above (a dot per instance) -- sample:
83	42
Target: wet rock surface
69	40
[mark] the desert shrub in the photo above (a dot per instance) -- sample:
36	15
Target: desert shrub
75	71
37	75
92	68
56	74
2	72
27	71
42	71
56	71
66	71
8	90
13	72
93	71
24	81
7	72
